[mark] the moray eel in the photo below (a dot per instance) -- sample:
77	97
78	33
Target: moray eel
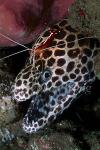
60	68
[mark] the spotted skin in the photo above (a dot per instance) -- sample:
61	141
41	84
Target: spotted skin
61	65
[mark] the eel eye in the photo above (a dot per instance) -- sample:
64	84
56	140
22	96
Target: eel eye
46	75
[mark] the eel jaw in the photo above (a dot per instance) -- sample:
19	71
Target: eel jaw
45	107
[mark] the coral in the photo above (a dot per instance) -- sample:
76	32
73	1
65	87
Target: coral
24	20
86	16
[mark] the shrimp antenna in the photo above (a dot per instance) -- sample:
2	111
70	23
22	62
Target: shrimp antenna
14	54
10	39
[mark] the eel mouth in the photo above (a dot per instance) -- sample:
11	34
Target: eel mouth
37	113
45	106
